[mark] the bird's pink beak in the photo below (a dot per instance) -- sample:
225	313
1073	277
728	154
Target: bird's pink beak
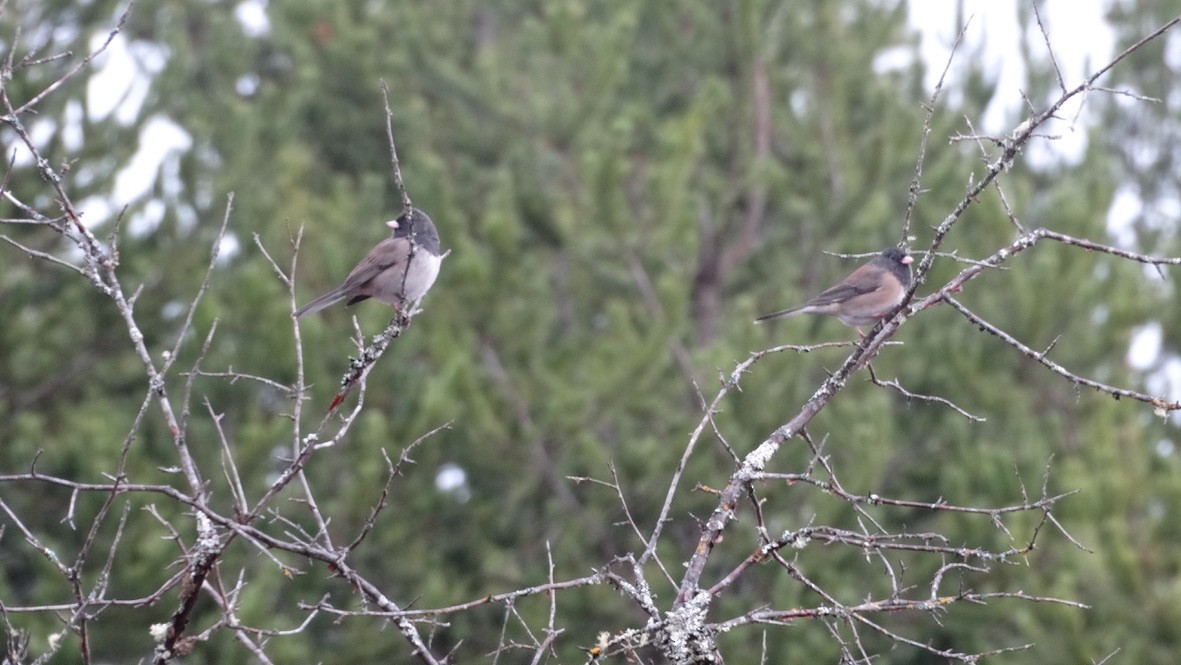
393	224
907	260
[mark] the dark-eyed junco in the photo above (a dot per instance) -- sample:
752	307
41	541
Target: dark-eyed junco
390	273
865	297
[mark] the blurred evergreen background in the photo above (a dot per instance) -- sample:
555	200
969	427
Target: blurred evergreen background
623	186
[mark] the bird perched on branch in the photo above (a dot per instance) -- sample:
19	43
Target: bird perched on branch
398	271
865	297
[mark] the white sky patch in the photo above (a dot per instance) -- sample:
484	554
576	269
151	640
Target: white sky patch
173	310
71	135
1126	208
452	479
118	86
160	142
1167	211
1166	382
1165	448
40	130
1173	50
147	218
1080	39
122	78
228	248
95	210
252	16
1145	347
897	58
185	215
246	85
159	138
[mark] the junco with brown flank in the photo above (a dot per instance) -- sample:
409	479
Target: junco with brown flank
390	274
865	297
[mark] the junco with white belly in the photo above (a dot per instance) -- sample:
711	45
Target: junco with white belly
396	272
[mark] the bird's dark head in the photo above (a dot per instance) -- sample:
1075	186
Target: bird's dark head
897	261
898	256
417	224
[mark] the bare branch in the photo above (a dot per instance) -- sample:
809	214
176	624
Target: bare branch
1049	48
916	182
78	67
893	383
1156	402
389	132
185	327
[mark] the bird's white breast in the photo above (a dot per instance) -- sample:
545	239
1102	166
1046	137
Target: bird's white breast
424	270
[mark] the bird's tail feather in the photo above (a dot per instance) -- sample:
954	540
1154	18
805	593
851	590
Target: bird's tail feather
326	300
781	314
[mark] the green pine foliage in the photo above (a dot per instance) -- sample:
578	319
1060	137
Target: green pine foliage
590	166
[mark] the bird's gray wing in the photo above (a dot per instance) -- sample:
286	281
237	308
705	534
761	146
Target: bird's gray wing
863	280
388	254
